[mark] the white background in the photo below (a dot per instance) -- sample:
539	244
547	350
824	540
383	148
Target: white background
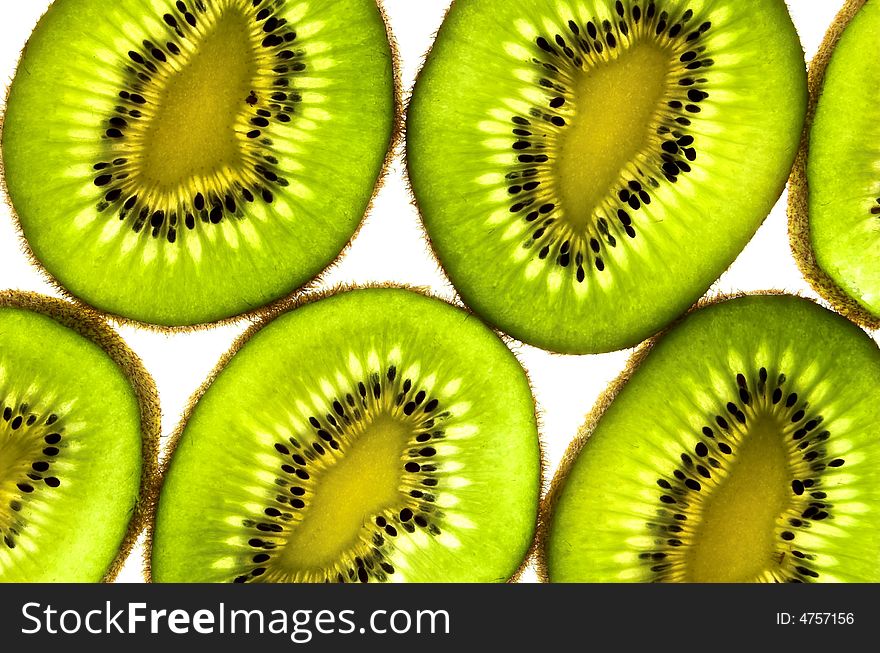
390	247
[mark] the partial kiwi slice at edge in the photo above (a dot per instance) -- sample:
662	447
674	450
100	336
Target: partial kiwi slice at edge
586	170
834	201
376	435
739	446
79	433
186	161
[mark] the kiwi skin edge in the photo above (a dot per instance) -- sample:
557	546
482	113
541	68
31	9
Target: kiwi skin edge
457	300
92	326
261	319
407	176
798	192
256	313
548	505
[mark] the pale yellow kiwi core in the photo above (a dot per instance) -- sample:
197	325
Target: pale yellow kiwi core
615	105
192	134
735	540
364	482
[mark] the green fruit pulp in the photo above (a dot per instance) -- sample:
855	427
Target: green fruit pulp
377	435
586	170
842	168
70	451
740	450
179	163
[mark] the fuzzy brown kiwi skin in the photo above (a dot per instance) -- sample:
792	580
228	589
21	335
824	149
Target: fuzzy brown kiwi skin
407	178
262	319
799	192
548	505
92	326
310	286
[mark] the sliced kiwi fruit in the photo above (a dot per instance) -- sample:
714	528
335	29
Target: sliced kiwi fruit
79	433
738	447
373	435
587	169
834	200
179	162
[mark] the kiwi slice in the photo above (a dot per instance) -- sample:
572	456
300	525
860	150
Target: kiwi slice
79	433
739	447
587	169
834	203
375	435
178	162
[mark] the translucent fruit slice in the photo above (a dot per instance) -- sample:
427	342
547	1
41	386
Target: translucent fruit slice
741	449
79	431
183	161
377	435
586	170
834	203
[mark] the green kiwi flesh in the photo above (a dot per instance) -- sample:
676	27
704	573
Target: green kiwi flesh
179	162
739	447
586	170
79	431
374	435
834	204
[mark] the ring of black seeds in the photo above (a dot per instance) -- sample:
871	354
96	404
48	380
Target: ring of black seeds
33	475
535	135
166	217
715	446
301	463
